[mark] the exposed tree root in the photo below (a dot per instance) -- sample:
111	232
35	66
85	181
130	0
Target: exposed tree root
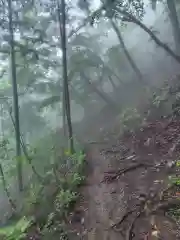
114	226
129	232
148	207
115	174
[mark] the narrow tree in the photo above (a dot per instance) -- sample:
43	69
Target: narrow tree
175	23
125	16
127	54
15	95
5	186
66	98
173	16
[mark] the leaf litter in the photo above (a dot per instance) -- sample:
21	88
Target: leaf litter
137	165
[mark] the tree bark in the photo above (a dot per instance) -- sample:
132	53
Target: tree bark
112	83
128	56
15	97
175	23
5	186
61	11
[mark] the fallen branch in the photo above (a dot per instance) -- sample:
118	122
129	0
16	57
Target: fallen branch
114	226
116	174
150	33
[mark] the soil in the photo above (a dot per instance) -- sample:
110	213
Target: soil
125	174
123	197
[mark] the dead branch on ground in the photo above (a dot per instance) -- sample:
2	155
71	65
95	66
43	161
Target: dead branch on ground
126	215
115	174
148	207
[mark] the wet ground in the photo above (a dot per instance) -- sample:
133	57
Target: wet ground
127	175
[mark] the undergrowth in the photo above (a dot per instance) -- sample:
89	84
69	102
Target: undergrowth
174	182
47	204
162	103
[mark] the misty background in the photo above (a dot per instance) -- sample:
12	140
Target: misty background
89	49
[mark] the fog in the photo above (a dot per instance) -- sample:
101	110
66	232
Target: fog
153	62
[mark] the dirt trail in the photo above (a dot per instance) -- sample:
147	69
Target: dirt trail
104	203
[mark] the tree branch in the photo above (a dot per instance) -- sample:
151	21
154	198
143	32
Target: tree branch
150	33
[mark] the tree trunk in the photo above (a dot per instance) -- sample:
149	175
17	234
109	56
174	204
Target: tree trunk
5	186
64	116
175	23
129	58
101	94
130	18
112	83
24	149
15	98
65	74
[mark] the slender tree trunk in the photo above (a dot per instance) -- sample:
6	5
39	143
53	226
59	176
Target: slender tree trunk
2	122
130	18
11	202
112	83
129	58
153	4
65	75
63	95
64	115
15	97
24	149
175	23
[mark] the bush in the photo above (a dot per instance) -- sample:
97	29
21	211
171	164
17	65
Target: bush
51	201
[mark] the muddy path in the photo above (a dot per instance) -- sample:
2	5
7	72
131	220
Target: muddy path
122	176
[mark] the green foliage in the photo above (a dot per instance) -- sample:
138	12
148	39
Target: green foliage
63	201
174	180
174	213
167	100
68	191
16	231
31	197
51	201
